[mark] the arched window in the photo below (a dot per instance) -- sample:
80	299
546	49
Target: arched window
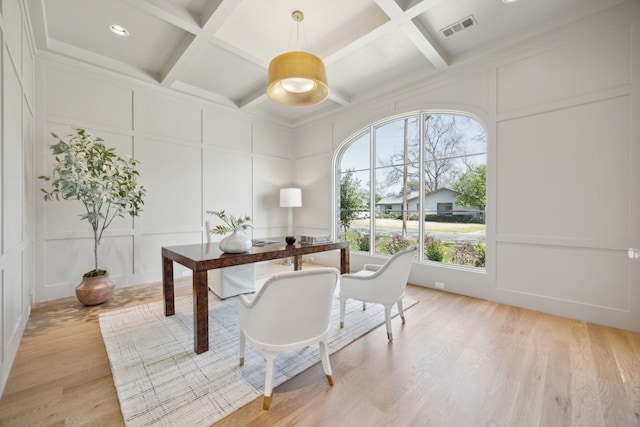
417	179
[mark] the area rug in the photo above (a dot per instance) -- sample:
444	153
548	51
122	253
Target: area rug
160	381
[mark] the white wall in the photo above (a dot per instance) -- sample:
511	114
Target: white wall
194	157
561	113
17	178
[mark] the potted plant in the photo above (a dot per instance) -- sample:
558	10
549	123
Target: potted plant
235	243
87	171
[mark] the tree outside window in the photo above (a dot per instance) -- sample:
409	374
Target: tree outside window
351	203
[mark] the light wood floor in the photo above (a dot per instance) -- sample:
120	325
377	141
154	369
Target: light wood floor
458	361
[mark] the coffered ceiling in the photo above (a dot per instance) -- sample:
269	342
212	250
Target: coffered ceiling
220	50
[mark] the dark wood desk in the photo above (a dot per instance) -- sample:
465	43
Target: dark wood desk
203	257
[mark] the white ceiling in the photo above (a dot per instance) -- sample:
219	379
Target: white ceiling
220	50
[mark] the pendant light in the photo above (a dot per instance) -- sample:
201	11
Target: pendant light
297	78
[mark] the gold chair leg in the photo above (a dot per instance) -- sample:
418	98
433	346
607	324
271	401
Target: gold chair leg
402	317
342	324
242	361
266	402
330	379
389	336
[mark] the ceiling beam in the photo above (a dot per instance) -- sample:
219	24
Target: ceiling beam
220	11
339	97
360	42
420	7
203	94
239	52
169	13
255	97
94	59
424	41
415	31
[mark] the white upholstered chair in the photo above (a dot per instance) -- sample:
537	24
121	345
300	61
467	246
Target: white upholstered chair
231	281
291	311
382	284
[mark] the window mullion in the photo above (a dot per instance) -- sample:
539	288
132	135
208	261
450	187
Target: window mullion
421	165
372	191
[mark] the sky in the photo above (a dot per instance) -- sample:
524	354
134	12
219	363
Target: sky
389	141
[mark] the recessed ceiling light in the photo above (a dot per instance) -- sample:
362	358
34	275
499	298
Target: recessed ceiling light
118	30
509	1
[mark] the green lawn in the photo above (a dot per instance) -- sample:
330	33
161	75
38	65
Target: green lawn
396	224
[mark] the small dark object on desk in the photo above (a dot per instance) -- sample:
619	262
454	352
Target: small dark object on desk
290	240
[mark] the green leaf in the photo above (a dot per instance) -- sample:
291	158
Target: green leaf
59	148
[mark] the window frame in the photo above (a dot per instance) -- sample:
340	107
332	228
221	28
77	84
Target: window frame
370	129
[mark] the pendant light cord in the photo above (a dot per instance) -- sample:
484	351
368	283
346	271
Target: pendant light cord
297	18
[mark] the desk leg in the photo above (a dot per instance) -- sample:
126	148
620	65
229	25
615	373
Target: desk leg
344	261
297	263
200	312
167	286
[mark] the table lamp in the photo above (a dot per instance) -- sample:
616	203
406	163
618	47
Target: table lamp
290	198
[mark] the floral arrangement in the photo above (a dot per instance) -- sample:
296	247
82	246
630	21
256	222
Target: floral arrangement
232	223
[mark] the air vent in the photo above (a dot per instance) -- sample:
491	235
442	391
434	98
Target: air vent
458	26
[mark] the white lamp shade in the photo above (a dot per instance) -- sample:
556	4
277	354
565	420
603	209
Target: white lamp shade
290	197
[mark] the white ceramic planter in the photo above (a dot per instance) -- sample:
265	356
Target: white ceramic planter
236	243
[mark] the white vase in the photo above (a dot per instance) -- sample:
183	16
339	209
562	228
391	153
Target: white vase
235	243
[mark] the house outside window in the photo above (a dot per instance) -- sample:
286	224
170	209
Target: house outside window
445	208
422	177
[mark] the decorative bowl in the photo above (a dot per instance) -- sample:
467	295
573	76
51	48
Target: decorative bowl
290	240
